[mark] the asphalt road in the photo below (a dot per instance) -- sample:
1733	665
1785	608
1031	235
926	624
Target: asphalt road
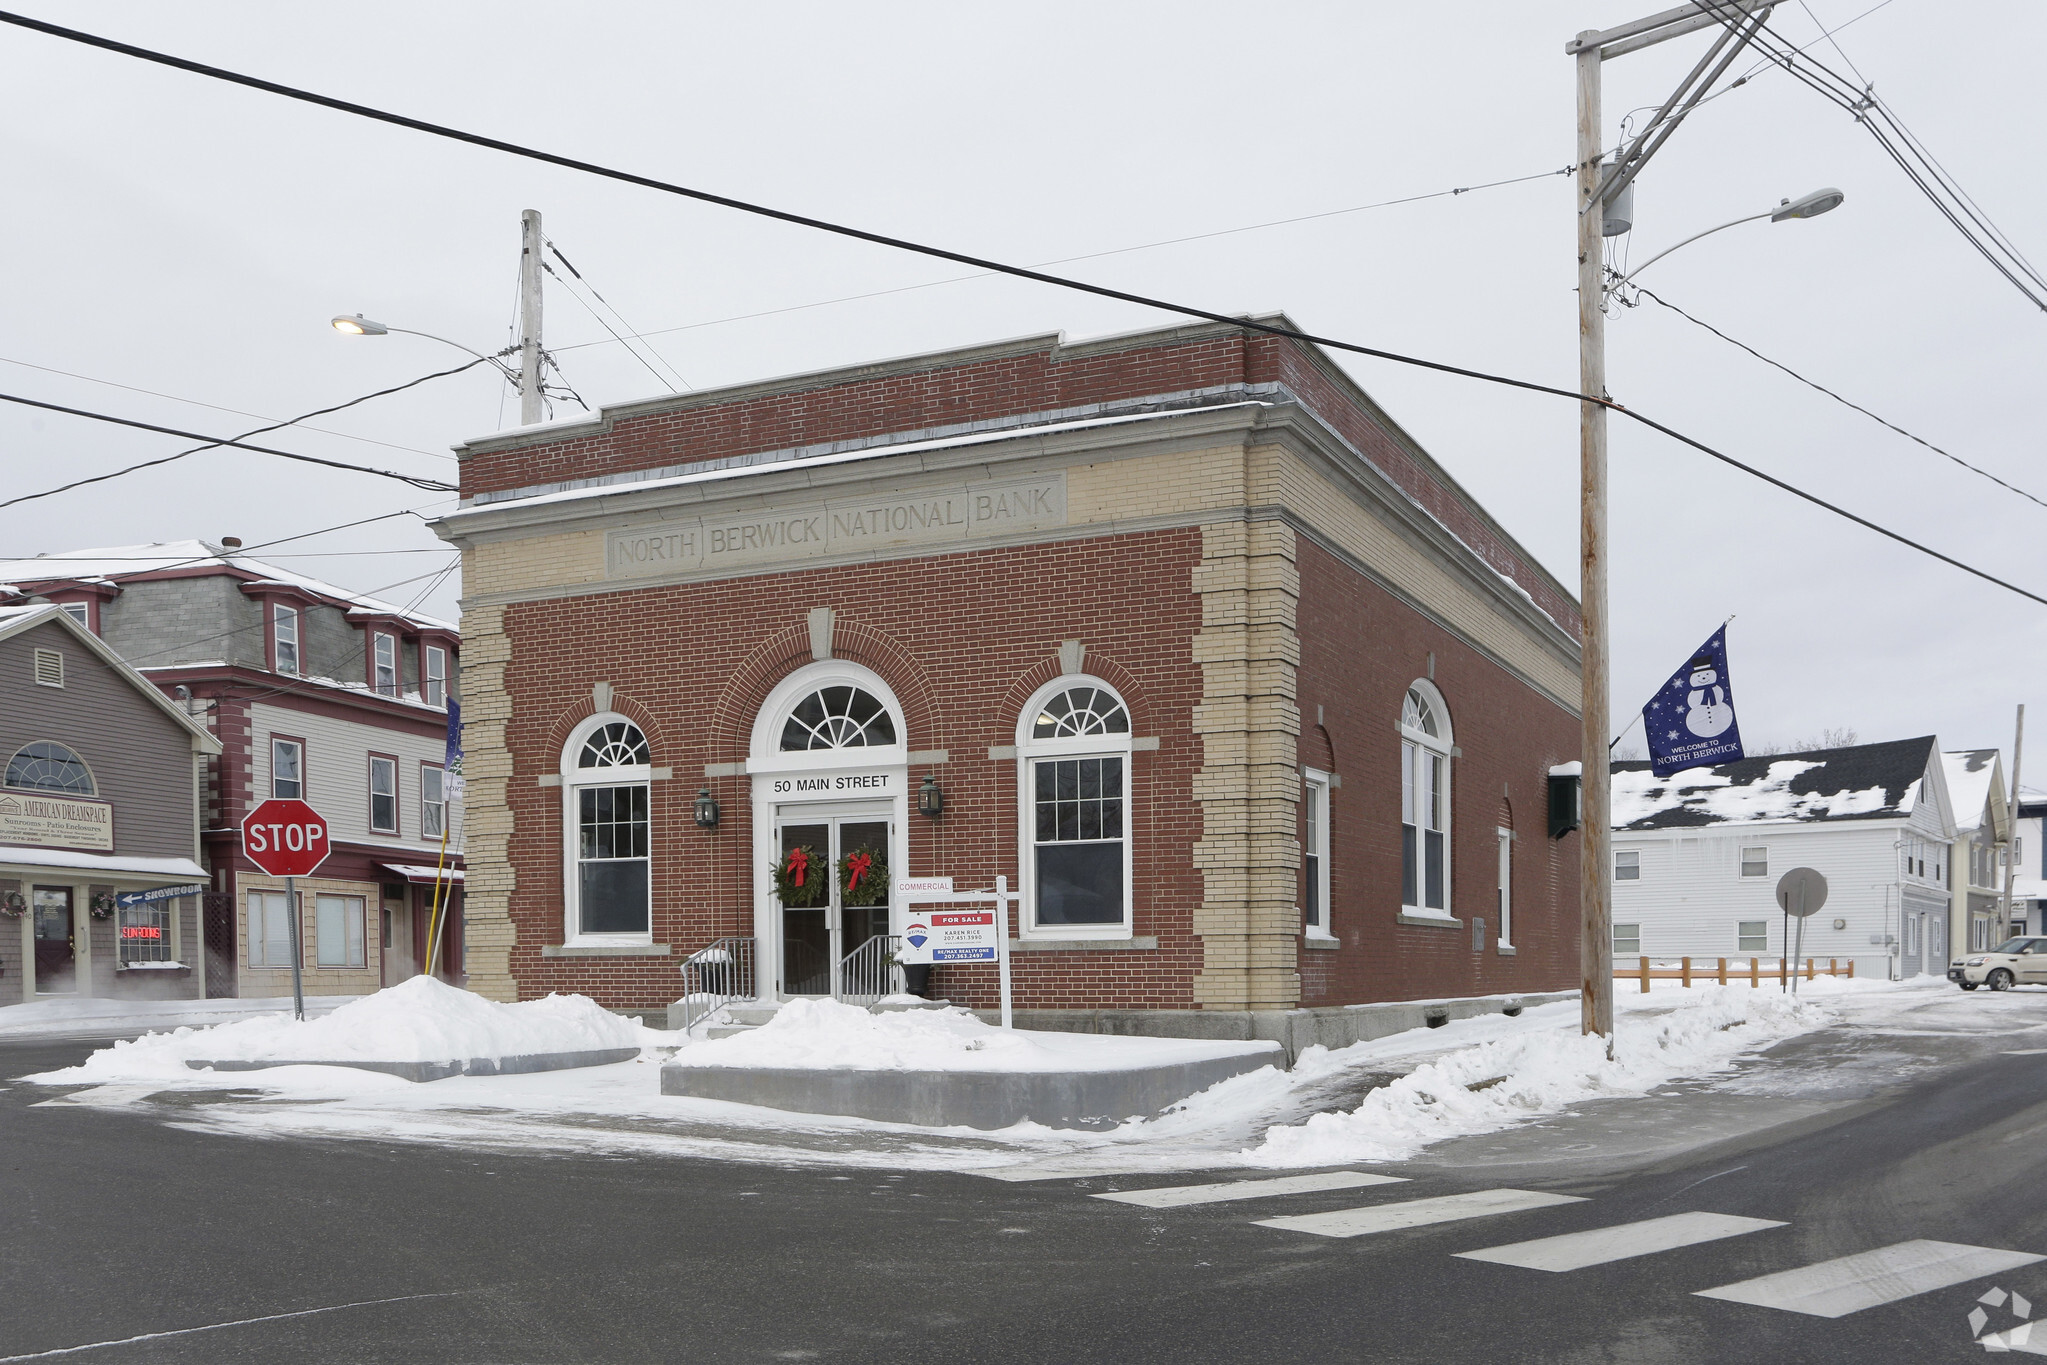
116	1223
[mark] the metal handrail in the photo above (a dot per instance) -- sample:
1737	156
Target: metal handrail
716	976
869	972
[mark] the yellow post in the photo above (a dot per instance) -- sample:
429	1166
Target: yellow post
1755	974
1645	975
433	939
1721	977
1686	971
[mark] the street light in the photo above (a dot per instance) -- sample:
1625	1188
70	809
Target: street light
356	325
1805	206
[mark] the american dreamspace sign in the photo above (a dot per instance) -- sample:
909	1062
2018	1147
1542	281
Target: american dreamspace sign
45	820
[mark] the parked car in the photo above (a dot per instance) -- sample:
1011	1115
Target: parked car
2014	962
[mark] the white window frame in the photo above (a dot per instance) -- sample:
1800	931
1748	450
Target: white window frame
284	634
433	675
80	612
1744	860
1635	938
1315	845
299	745
161	915
1506	906
1029	752
344	915
380	641
268	949
1739	936
433	802
1634	867
1417	747
390	763
573	781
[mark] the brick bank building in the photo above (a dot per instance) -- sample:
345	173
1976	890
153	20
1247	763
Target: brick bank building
1177	629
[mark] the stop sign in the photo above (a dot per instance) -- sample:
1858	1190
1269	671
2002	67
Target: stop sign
284	837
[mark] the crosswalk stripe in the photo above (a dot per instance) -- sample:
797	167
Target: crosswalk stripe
1180	1196
1597	1246
1415	1213
1849	1284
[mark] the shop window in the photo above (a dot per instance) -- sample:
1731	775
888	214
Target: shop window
269	930
609	834
434	671
287	769
1315	856
44	766
1424	802
1755	862
1627	940
284	630
838	717
1752	936
433	801
384	665
338	931
143	932
1627	865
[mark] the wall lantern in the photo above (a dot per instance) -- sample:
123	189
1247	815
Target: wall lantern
707	809
930	799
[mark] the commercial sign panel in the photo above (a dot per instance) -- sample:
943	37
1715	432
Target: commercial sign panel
882	783
47	820
966	934
944	516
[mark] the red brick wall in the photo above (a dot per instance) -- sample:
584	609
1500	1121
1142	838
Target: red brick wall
1360	650
945	395
963	640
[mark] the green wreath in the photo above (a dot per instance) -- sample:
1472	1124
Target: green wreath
102	905
799	877
13	904
863	877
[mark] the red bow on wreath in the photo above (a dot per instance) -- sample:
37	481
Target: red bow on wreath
799	864
856	868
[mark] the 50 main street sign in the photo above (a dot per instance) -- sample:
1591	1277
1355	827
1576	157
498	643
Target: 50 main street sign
287	838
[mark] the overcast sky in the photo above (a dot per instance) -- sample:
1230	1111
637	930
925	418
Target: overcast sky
177	235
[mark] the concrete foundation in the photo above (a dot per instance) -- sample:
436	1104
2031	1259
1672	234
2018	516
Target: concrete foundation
971	1099
440	1071
1294	1030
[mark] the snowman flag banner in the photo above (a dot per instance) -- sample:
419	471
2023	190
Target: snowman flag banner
1690	720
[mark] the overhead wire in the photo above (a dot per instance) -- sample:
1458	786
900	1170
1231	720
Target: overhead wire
982	263
580	279
1845	402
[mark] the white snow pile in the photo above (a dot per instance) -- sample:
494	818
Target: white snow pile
826	1034
420	1020
1531	1074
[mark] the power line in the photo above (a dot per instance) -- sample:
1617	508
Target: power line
1845	402
238	412
429	485
571	267
998	267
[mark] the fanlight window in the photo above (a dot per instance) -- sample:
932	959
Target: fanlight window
617	745
46	767
840	717
1081	711
1417	714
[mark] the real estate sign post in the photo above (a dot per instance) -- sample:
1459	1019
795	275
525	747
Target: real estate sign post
944	925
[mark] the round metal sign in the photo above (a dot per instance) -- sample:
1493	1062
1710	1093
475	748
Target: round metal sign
1801	892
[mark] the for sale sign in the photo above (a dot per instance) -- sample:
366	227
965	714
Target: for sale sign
967	934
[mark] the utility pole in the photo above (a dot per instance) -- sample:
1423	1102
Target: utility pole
1600	184
530	409
2011	811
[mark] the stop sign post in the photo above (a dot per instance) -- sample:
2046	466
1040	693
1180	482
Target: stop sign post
1800	891
287	838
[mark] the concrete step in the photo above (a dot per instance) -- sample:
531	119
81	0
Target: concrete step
752	1016
728	1030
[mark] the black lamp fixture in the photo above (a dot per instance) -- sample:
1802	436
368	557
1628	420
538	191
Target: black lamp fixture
930	798
707	809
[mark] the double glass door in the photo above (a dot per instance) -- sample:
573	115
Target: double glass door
832	883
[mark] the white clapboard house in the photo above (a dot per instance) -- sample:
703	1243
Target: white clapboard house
1697	857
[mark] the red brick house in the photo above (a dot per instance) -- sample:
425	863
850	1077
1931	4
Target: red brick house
1249	697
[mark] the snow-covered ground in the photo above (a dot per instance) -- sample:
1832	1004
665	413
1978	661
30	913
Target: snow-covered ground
1383	1100
64	1015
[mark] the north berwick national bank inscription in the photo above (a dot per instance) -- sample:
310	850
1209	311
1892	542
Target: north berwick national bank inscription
944	516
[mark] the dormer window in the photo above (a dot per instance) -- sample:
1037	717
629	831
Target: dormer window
433	686
285	639
80	612
384	665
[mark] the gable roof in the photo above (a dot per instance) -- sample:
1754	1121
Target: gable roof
108	565
1972	777
15	620
1860	782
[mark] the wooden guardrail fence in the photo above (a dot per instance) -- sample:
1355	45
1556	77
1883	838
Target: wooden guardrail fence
1756	974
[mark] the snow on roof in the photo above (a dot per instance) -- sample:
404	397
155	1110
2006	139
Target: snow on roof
101	862
1861	782
110	564
1969	773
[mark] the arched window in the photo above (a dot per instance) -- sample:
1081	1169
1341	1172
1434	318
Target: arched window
607	769
1074	743
1424	802
838	717
46	767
